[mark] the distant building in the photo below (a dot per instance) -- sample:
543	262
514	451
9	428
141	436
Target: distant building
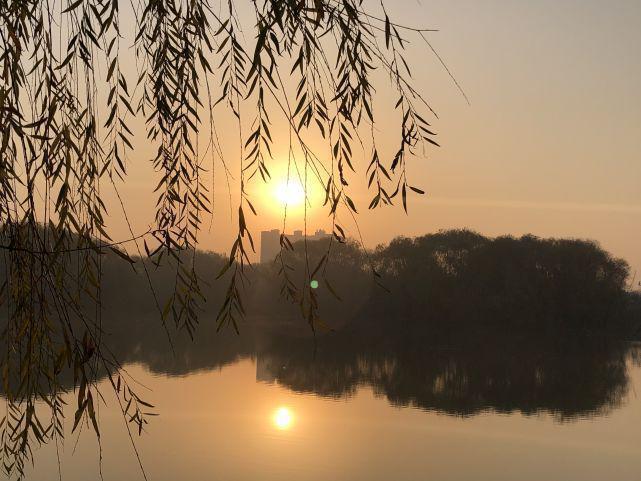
320	234
270	242
269	245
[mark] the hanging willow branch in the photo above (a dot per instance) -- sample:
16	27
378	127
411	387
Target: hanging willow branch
67	103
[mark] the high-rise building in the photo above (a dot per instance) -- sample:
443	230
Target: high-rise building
269	245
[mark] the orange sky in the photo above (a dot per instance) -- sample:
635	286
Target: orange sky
550	145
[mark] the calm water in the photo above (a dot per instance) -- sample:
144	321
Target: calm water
433	414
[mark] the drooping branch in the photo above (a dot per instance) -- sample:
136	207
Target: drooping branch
67	103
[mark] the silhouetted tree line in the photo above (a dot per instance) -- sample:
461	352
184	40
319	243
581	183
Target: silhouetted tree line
462	280
510	283
455	280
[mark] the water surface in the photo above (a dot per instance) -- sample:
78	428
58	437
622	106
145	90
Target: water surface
289	411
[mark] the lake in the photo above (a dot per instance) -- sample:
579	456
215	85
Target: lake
292	411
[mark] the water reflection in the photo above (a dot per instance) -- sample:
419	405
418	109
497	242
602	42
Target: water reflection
283	418
516	375
458	373
568	376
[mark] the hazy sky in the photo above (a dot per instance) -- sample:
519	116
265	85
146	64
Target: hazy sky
552	141
550	145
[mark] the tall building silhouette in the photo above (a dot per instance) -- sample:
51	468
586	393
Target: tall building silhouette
269	245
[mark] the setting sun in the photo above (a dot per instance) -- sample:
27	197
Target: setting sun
290	192
283	418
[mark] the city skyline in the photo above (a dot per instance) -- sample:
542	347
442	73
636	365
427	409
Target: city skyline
270	241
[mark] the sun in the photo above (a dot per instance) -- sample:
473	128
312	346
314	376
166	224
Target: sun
283	418
290	192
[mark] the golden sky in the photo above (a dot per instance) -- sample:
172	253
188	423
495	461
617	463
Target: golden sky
550	145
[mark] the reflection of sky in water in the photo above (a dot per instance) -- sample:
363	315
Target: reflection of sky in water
222	425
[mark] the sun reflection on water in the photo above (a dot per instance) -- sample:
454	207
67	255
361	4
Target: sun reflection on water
283	418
